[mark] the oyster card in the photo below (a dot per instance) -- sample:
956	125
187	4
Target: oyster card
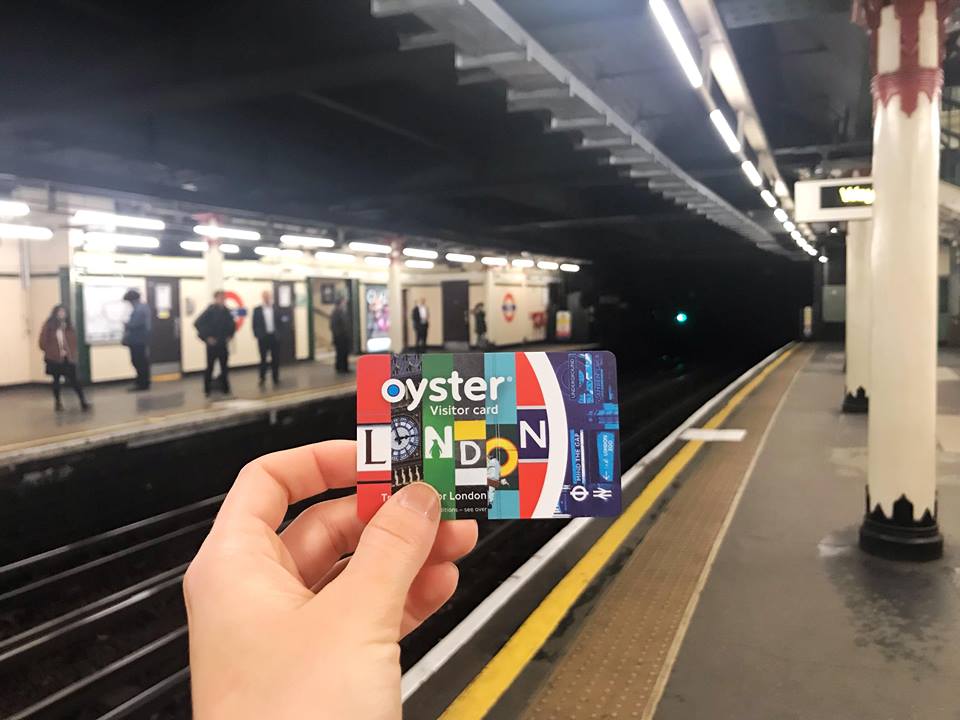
501	436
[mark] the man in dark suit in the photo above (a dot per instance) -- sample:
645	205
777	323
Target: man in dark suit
265	326
421	323
216	327
340	328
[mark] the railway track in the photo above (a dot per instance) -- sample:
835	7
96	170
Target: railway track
96	628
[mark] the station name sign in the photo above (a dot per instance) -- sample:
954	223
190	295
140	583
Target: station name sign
834	200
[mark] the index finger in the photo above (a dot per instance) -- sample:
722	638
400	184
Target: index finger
266	486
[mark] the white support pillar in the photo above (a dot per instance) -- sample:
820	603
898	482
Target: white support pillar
901	497
395	300
214	273
857	398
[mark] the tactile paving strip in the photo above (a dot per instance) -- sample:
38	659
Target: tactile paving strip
612	668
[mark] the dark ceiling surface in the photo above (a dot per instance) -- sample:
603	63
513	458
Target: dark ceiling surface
311	109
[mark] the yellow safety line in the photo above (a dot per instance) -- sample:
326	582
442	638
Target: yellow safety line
492	682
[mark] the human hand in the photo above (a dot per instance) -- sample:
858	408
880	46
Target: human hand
280	625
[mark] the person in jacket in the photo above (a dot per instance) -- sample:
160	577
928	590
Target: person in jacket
58	341
266	321
136	336
216	327
480	324
340	328
421	323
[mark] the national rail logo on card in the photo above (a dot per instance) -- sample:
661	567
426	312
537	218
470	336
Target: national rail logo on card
501	436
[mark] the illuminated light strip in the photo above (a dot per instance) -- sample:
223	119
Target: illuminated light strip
496	677
723	127
672	32
216	231
451	643
24	232
109	219
13	208
753	175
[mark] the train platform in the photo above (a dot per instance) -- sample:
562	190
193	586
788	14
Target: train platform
732	585
169	408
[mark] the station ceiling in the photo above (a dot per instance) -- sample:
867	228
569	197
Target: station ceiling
312	109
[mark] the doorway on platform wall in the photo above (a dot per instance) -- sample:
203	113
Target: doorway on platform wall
456	317
285	301
163	299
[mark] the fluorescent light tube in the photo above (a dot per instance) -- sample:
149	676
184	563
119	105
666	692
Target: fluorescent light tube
670	30
460	258
753	175
306	241
216	231
13	208
370	247
419	264
729	137
24	232
422	254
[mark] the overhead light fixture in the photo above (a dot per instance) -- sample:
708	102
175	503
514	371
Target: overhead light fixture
460	258
753	175
789	226
419	264
823	259
570	267
291	252
522	263
422	254
216	231
121	240
267	251
781	215
672	32
377	261
833	230
768	198
494	261
335	258
780	188
307	241
109	219
811	252
370	247
201	246
797	236
13	208
548	265
723	127
24	232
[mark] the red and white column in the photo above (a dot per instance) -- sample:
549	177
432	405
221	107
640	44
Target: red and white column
901	498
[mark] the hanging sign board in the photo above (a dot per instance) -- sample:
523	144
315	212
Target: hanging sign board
834	200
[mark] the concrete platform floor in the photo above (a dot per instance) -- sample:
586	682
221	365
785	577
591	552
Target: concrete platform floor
28	416
794	621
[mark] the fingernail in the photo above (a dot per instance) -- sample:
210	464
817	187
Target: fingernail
422	499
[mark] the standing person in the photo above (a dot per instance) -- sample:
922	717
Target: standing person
265	330
58	341
136	336
340	328
216	326
421	323
480	324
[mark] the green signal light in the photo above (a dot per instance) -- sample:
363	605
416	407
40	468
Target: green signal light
680	317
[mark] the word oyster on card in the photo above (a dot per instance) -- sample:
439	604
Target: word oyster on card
501	436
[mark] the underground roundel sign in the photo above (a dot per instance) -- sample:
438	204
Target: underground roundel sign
235	306
509	307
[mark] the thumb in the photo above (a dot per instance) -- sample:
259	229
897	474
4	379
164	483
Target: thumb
391	551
